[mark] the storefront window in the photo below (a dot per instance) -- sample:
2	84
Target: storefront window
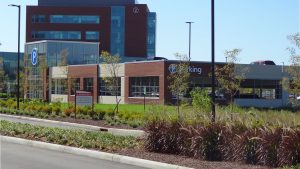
106	90
59	86
144	85
74	85
88	84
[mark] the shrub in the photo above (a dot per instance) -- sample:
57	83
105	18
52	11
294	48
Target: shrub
47	109
200	99
99	115
289	148
247	146
164	137
56	110
268	147
68	111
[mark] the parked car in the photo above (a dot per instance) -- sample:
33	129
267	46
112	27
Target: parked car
263	62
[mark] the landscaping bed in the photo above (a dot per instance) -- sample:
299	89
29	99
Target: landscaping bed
128	146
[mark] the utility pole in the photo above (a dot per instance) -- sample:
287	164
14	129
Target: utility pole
190	36
18	71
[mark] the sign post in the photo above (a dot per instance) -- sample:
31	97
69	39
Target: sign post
83	98
144	98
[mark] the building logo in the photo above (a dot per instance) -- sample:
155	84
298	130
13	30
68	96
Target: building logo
136	10
191	69
172	68
34	56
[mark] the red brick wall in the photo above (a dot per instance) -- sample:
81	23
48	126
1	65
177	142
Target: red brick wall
144	69
103	27
136	30
86	71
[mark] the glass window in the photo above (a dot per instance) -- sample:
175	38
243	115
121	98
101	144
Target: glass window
106	90
88	84
74	85
117	34
92	35
58	35
144	85
59	86
260	89
75	19
38	18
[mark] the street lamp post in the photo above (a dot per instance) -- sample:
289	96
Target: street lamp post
18	71
190	33
213	108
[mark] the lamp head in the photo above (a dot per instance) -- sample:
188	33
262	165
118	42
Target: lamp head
14	5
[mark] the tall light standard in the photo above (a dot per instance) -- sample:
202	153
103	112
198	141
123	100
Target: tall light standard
18	76
213	108
190	32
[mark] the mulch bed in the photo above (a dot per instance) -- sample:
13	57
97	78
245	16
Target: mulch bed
187	161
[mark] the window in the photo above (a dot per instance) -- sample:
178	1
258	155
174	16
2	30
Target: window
88	84
38	18
106	90
75	19
74	85
59	35
59	86
147	85
260	89
92	35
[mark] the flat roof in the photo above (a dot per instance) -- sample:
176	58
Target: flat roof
86	3
61	41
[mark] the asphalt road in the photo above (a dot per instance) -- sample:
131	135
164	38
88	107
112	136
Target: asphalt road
15	156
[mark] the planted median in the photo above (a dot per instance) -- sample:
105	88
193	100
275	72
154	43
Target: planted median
74	138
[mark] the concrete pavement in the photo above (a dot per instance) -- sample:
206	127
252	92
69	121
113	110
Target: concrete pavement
16	156
90	154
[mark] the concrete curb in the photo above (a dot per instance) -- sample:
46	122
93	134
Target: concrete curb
93	154
121	132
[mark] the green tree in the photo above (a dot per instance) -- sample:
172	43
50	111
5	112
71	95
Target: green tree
201	99
228	80
294	69
112	66
179	79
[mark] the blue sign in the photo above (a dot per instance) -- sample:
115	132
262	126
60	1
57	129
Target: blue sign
172	68
34	56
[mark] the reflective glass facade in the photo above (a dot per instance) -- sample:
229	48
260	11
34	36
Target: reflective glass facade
57	35
55	53
74	19
151	37
117	41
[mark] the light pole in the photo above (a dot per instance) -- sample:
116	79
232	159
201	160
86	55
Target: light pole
282	66
18	76
213	108
190	33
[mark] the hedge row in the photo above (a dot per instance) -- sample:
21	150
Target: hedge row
274	147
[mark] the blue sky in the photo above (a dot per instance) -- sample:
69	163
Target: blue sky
259	27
